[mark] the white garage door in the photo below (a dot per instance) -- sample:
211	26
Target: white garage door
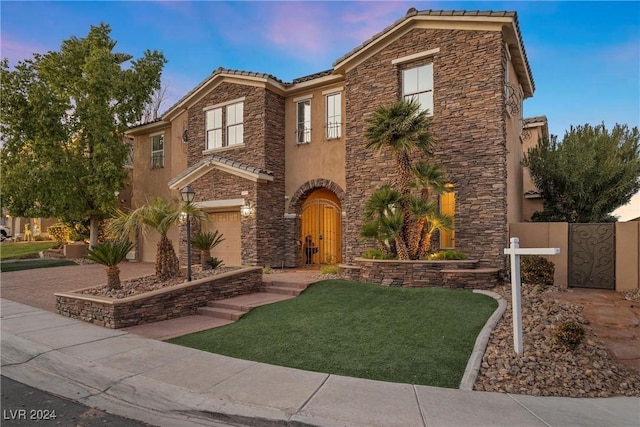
227	223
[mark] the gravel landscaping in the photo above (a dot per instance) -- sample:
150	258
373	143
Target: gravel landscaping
546	367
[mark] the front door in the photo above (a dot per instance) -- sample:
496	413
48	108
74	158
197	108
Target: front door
321	235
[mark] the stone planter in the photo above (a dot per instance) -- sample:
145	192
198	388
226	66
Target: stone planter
445	274
75	250
162	304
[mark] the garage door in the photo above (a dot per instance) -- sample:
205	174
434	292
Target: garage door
227	223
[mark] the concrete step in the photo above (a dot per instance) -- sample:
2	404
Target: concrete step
230	305
280	284
221	313
282	290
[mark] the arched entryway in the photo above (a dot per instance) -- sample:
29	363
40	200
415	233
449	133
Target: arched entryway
321	220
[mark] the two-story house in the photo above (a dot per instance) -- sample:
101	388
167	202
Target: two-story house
274	162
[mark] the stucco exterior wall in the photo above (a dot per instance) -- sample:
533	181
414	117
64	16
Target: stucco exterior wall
546	235
513	123
148	183
530	206
627	256
322	157
468	123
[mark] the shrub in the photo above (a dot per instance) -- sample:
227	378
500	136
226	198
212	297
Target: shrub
329	269
569	334
111	253
61	233
41	238
536	270
204	242
266	269
376	254
215	263
447	254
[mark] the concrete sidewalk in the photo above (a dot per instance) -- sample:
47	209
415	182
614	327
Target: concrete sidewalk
168	385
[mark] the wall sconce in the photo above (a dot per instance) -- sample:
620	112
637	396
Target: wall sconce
246	210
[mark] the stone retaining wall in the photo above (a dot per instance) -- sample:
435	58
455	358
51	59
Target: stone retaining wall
445	274
162	304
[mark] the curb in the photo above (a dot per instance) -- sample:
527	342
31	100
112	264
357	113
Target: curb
475	360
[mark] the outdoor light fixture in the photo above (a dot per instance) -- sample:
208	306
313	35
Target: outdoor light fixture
188	194
246	209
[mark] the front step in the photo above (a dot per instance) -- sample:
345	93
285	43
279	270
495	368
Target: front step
220	313
282	290
279	284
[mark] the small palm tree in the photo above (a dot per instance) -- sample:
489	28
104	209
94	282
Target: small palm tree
205	242
111	253
158	215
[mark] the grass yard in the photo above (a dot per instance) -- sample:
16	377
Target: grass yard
408	335
16	250
32	264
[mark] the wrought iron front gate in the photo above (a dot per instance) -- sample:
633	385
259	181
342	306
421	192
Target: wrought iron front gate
592	256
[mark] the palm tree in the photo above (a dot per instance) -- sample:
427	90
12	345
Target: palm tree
111	253
205	242
429	220
383	219
158	215
402	129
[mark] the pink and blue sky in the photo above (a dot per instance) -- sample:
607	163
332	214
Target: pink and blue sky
585	56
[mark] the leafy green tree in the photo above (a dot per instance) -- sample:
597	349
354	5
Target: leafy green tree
403	221
588	175
62	126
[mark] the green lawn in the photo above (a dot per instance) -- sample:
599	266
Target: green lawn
32	264
409	335
15	250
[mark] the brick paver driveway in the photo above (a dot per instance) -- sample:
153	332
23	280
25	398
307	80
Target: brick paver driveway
36	287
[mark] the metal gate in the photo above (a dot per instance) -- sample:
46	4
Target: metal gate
592	256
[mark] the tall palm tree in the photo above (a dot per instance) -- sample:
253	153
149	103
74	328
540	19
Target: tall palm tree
111	253
404	130
158	215
429	220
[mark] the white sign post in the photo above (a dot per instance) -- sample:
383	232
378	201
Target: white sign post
515	251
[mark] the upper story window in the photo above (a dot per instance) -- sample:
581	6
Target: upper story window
229	134
334	116
417	83
235	124
303	121
157	151
214	128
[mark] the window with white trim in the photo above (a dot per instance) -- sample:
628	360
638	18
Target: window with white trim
235	124
157	151
417	83
214	128
334	115
303	120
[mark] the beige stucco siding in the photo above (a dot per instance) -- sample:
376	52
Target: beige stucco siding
322	157
514	151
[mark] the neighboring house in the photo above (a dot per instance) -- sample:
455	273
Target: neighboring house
273	162
534	129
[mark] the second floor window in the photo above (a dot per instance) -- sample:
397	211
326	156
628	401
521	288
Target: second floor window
334	116
303	127
157	151
235	124
417	83
214	128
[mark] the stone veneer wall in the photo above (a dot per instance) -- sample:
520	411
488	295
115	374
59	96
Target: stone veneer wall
421	274
261	233
162	304
468	124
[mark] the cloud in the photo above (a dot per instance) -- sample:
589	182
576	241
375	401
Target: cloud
17	51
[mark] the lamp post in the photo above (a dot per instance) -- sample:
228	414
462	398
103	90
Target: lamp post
188	194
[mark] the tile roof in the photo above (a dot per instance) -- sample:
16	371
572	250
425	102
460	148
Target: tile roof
430	12
313	76
218	159
535	119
